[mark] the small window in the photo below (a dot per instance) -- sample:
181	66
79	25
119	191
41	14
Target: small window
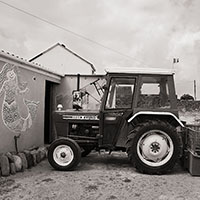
154	93
120	93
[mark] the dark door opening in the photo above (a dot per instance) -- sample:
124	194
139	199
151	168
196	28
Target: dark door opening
48	112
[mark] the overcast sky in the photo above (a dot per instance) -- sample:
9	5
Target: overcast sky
146	33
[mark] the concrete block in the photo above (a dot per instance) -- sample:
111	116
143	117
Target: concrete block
43	153
10	157
5	165
24	161
32	148
12	168
29	158
38	156
46	152
33	154
18	163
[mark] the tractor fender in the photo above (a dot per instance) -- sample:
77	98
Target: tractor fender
156	114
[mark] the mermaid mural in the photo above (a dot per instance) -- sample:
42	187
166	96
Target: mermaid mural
11	86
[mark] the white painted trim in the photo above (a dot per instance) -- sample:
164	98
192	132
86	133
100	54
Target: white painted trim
156	113
140	70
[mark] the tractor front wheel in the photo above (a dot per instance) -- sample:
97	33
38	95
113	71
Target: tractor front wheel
64	154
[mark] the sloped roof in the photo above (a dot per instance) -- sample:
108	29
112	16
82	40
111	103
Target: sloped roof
67	49
29	65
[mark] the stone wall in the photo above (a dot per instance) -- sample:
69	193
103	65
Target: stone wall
12	162
189	111
188	106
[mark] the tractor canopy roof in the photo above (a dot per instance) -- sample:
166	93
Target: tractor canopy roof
129	70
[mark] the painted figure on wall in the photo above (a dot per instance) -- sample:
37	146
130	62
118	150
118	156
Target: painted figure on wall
11	86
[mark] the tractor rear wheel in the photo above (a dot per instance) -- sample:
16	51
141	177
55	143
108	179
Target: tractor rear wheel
64	154
153	147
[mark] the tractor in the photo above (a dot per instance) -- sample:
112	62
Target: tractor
138	115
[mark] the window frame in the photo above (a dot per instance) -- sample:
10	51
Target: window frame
169	89
108	90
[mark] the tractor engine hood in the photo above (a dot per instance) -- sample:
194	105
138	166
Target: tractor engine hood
71	114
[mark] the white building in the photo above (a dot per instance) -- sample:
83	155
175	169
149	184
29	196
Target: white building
63	60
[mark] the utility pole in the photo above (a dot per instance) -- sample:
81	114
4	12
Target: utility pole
195	90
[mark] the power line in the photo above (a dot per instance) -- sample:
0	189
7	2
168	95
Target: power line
72	32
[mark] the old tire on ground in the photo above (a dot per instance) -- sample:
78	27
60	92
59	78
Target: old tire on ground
64	154
153	147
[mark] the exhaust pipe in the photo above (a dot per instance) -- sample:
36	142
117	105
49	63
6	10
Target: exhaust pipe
78	82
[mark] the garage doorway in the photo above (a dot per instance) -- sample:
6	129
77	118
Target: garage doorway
48	137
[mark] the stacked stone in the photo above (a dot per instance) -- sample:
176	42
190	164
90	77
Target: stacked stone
11	163
5	166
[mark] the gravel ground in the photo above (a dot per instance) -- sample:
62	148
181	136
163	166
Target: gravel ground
99	177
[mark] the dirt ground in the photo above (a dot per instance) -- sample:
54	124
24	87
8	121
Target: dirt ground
99	177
